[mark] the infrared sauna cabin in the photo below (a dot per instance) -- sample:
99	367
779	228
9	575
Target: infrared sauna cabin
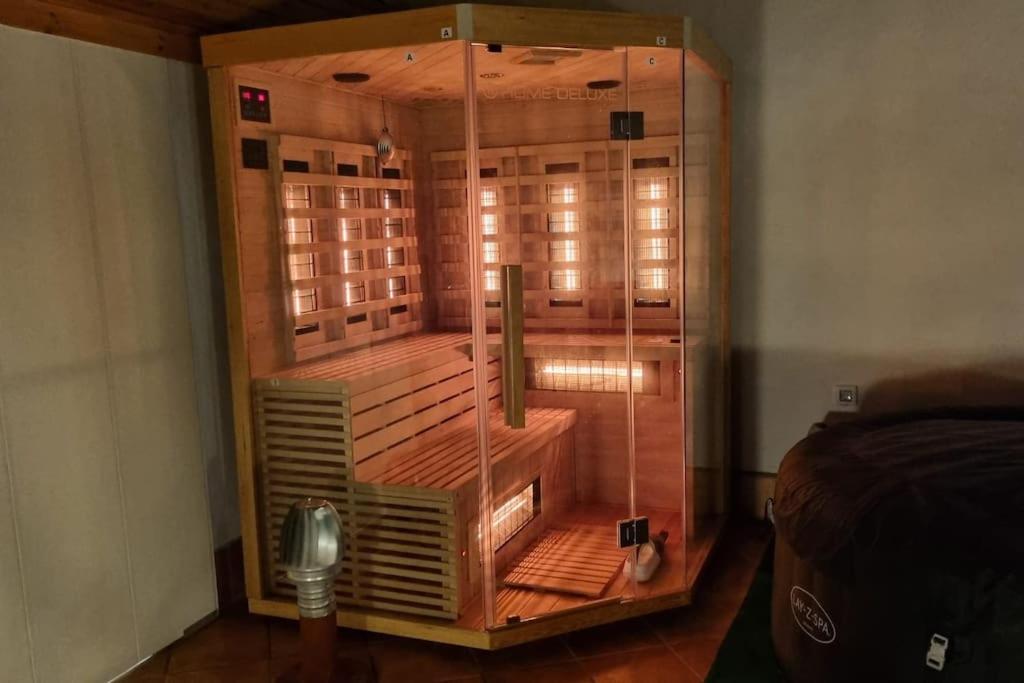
475	261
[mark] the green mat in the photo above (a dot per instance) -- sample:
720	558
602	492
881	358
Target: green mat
746	655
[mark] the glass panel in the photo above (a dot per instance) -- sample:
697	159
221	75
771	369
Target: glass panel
704	299
550	189
654	168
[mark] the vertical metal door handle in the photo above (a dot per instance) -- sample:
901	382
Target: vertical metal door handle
513	365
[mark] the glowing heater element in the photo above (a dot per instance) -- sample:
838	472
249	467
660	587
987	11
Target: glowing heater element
564	280
606	371
489	224
566	251
651	278
513	514
355	293
491	252
557	374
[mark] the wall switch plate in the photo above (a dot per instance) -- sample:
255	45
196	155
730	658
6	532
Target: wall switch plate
846	397
254	154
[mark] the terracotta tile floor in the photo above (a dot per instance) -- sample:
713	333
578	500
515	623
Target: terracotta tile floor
677	646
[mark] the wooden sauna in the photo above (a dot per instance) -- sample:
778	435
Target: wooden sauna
476	271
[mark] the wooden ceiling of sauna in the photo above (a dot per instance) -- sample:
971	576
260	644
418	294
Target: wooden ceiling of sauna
171	28
434	76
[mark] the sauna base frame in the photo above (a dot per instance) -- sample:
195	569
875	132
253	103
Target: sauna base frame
507	635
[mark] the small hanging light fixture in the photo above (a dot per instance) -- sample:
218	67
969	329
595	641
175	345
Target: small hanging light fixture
385	143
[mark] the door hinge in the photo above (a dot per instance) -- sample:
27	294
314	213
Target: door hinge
627	125
633	532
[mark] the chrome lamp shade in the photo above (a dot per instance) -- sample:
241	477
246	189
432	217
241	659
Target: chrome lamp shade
312	548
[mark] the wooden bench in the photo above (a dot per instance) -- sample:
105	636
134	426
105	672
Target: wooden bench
388	435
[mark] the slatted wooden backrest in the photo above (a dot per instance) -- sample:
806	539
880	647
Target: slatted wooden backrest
558	211
348	233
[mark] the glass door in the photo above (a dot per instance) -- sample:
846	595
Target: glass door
677	199
546	179
655	181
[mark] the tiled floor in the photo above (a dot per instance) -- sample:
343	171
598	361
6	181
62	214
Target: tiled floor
677	646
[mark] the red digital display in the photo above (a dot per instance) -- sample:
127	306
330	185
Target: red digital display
254	104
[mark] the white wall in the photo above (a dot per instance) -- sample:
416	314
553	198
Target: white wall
105	540
878	211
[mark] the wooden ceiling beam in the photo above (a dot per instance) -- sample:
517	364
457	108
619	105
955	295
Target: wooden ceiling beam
170	28
57	19
145	12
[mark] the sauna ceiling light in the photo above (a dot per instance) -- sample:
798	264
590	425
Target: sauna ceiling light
492	74
385	143
603	85
351	77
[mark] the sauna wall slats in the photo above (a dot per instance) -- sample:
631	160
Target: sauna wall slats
350	264
516	221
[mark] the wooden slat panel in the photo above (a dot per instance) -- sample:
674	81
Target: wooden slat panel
400	542
580	561
356	341
324	179
523	235
382	363
326	247
414	424
368	212
342	312
315	275
451	459
354	276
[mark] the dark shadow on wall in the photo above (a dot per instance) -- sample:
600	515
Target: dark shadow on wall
779	394
990	385
222	477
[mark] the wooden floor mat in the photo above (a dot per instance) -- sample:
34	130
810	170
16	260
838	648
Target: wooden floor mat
581	561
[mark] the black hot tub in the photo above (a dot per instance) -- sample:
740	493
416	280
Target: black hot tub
900	550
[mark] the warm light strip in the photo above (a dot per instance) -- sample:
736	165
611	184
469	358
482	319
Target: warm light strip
491	252
511	516
489	224
509	507
603	371
587	375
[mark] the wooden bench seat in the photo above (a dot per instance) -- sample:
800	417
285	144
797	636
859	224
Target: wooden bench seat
366	368
388	435
451	459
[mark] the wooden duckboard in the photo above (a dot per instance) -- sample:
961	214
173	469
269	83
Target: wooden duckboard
582	560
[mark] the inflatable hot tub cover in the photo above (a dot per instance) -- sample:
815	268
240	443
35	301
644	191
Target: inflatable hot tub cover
900	549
